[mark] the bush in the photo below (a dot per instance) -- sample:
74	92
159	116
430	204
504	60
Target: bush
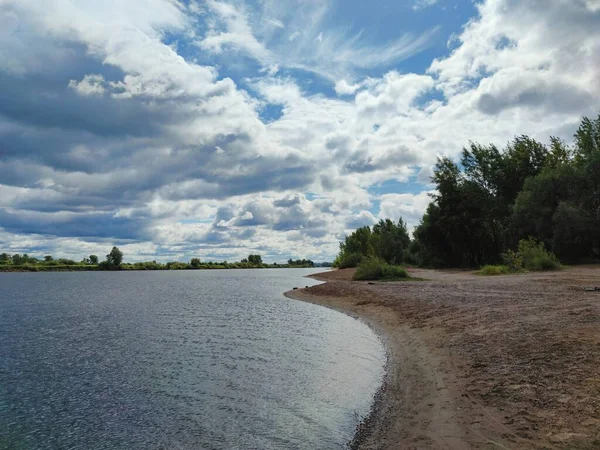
389	272
369	269
374	269
512	261
495	270
346	260
535	257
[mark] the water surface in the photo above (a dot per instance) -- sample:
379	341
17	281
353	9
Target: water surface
178	360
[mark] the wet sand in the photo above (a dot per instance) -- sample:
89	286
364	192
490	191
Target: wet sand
507	362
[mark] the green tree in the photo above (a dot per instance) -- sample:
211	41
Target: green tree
115	257
5	258
48	258
18	259
390	240
195	263
94	259
255	259
570	237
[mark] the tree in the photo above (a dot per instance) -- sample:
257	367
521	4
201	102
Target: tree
390	240
48	258
18	260
195	263
255	259
115	257
5	258
570	237
94	259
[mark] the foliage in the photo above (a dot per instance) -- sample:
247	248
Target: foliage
387	241
535	257
300	263
512	261
369	269
373	268
390	272
493	199
494	270
115	257
255	259
531	255
26	263
195	263
345	260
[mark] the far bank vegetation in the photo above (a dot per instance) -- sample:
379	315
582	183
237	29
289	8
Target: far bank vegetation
114	261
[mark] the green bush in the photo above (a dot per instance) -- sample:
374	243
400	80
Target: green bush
346	260
512	261
369	269
374	269
535	257
495	270
531	255
389	272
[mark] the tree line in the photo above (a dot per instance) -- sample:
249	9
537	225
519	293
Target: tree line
114	261
491	202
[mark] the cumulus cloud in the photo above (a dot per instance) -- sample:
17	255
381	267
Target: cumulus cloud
410	207
110	134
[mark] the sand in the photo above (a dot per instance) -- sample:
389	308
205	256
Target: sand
506	362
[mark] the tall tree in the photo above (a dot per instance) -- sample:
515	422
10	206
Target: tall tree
115	257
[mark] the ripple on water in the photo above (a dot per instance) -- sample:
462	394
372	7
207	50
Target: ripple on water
216	360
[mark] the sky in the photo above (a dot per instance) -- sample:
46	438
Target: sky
214	129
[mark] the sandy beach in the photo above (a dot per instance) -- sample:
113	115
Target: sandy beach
508	362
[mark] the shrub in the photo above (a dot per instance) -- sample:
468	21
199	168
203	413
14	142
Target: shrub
389	272
535	257
374	269
346	260
495	270
512	261
369	269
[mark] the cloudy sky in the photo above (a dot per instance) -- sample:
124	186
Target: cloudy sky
218	128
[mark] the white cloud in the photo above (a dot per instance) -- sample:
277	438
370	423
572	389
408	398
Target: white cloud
237	33
301	42
410	207
421	4
90	85
169	156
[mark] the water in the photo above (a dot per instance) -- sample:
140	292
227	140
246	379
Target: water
178	360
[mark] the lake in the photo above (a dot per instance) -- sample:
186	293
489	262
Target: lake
179	360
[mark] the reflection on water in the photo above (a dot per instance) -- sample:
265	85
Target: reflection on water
178	360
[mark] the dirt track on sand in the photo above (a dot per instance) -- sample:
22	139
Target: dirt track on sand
507	362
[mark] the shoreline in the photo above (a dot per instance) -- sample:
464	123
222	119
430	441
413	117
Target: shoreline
504	362
89	268
405	352
364	429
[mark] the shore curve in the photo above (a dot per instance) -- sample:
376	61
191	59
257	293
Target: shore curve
449	382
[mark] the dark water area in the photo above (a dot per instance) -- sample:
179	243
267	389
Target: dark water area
178	360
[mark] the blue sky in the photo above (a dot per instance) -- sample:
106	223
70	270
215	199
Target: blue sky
218	128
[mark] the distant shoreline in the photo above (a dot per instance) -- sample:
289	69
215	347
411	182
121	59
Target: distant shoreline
477	362
89	268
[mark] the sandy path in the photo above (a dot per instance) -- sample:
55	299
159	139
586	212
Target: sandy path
477	362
